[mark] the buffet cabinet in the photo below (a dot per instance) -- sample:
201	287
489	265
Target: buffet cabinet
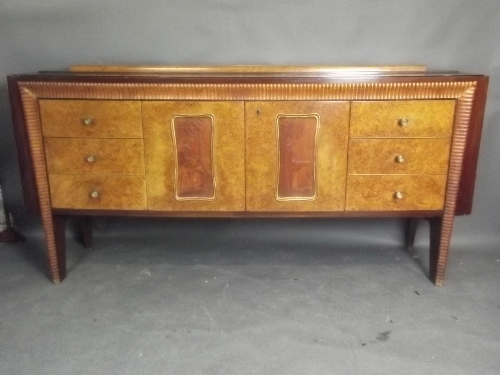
248	141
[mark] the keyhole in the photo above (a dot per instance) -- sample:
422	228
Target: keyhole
258	111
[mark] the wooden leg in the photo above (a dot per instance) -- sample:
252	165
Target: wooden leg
411	225
86	230
59	224
11	235
437	252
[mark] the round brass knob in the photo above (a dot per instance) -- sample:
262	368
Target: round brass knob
400	159
94	194
90	158
403	122
88	121
398	195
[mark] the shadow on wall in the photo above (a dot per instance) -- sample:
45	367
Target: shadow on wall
9	169
483	225
7	231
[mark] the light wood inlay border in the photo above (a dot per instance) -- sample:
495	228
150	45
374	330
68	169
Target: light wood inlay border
295	197
177	162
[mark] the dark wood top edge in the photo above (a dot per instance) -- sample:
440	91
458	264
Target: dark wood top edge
173	79
245	69
346	74
247	214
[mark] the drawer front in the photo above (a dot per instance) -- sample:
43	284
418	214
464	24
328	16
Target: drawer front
405	118
91	118
195	155
296	155
94	156
98	192
399	156
393	193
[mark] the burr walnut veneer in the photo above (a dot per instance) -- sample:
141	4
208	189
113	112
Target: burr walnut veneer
246	142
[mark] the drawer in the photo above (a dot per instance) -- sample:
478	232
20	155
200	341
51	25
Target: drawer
402	118
380	193
94	156
399	156
91	118
98	192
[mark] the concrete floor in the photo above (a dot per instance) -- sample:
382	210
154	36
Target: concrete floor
222	302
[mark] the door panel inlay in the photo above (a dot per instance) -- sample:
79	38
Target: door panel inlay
297	139
225	164
193	151
294	162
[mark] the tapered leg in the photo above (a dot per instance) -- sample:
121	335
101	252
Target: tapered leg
86	230
59	224
411	225
436	227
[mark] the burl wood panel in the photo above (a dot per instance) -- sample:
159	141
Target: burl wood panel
113	192
94	156
193	144
262	155
399	156
378	192
426	118
106	118
297	136
228	157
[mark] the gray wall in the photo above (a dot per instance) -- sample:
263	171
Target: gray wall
443	34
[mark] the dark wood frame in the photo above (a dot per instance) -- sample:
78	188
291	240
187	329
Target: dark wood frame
466	183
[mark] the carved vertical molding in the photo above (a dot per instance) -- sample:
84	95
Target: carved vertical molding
33	127
461	127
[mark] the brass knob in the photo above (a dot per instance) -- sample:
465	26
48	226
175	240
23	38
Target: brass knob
90	158
400	159
398	195
94	194
88	121
403	122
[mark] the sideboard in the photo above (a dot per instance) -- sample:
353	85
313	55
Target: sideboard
248	141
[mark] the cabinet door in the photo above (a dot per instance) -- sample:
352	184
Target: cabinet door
194	154
296	155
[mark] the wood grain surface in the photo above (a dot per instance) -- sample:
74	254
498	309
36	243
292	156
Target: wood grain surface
109	118
229	155
428	102
380	156
366	193
94	156
114	192
426	118
262	155
247	69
